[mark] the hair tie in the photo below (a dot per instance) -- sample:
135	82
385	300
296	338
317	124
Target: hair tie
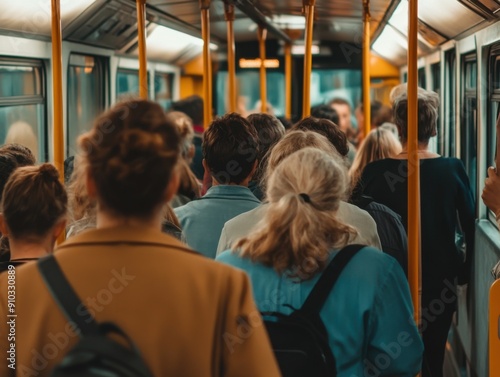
305	197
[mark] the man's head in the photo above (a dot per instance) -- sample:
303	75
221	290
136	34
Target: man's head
343	109
230	150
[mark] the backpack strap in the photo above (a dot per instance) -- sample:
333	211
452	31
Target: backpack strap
65	296
323	287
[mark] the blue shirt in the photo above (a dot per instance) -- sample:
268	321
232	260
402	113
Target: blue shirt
202	220
368	315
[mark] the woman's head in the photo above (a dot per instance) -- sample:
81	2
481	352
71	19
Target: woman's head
34	203
292	142
300	227
379	144
130	156
185	127
428	111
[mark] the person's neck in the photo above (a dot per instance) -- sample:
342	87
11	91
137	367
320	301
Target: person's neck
244	183
422	151
422	147
20	249
105	219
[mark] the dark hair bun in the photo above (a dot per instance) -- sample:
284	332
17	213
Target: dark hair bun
48	172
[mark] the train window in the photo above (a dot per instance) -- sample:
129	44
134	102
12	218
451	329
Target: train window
468	130
23	104
436	77
327	84
449	104
493	108
127	83
164	85
422	78
248	83
86	95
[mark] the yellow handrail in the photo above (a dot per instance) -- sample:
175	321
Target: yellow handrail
366	67
262	35
288	81
141	35
207	63
229	15
57	89
413	163
309	13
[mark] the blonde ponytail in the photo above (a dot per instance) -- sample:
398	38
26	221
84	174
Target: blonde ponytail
300	227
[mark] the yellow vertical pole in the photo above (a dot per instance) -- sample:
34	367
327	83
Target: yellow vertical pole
57	94
141	34
288	80
366	67
229	15
413	162
58	134
207	63
309	13
262	35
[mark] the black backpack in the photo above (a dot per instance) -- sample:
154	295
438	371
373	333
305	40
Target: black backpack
96	354
300	340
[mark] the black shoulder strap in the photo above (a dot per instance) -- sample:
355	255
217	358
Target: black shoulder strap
323	287
65	297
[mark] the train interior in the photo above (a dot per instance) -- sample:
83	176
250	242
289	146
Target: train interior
459	58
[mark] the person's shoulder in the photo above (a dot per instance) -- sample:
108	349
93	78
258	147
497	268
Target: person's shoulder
353	211
232	258
374	262
248	218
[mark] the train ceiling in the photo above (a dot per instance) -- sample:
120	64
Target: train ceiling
174	25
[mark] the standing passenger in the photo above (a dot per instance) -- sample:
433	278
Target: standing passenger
33	213
269	131
184	312
368	309
444	181
230	149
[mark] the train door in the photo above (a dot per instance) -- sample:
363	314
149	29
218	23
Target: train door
86	95
449	103
468	129
164	88
23	105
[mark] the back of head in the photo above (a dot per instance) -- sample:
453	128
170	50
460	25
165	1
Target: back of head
300	227
185	127
34	201
192	106
428	111
380	143
327	128
325	112
230	148
22	133
130	154
22	155
269	131
382	115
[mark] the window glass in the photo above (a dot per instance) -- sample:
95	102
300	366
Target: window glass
163	89
22	105
86	97
127	83
328	84
468	130
248	86
24	124
422	78
449	102
436	77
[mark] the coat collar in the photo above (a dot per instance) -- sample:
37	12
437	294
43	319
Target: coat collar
124	235
230	191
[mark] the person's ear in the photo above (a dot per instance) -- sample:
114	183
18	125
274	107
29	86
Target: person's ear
58	229
205	166
91	186
3	226
173	186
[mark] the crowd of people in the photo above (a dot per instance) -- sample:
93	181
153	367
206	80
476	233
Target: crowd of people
181	237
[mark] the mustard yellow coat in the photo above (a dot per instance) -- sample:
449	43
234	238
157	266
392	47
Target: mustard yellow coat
188	315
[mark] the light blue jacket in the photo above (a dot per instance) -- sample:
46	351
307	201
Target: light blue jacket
202	220
368	315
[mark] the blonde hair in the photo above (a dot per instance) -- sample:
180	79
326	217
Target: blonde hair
185	127
82	209
292	142
22	133
380	143
300	226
